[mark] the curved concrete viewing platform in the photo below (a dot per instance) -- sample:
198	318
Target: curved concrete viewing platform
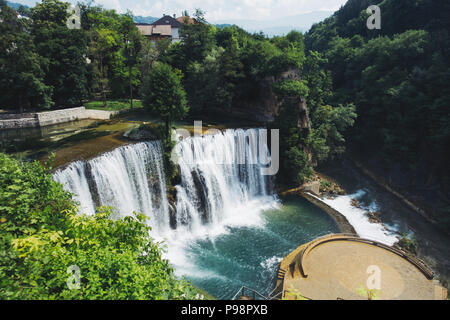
341	266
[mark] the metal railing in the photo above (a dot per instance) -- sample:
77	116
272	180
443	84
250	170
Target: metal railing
254	295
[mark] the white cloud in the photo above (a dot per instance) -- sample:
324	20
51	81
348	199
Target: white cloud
218	9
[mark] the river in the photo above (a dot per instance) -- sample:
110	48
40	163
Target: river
226	227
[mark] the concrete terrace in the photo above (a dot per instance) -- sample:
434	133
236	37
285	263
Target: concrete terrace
336	267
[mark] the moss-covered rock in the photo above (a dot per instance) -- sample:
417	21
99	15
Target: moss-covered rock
146	131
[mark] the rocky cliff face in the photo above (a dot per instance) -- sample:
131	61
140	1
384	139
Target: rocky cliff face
264	104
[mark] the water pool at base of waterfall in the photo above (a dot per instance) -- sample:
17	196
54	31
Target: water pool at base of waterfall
225	228
248	255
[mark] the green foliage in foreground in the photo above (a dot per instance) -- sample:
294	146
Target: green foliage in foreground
113	105
41	235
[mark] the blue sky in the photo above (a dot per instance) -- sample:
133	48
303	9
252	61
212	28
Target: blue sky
217	9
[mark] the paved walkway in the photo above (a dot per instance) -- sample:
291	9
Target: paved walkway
341	269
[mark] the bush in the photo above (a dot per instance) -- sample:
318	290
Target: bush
298	166
290	88
408	243
41	236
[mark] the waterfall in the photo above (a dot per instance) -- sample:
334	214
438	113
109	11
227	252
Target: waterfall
130	178
219	173
74	179
220	178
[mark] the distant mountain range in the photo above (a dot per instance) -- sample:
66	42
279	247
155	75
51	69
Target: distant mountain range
270	27
15	5
280	26
141	19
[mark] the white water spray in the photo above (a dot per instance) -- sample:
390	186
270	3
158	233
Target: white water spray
221	183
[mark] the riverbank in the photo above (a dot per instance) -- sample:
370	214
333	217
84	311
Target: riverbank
306	192
382	183
391	211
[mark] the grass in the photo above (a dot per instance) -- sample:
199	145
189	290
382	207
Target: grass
113	105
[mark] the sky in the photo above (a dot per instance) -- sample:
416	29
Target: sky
217	9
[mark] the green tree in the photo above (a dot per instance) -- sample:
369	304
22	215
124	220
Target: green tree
133	44
202	82
198	38
22	70
327	132
298	164
103	43
65	51
328	124
231	72
164	95
397	78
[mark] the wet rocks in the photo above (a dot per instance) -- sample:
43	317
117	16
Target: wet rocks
374	217
144	132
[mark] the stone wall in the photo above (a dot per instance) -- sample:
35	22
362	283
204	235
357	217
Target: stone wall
19	123
100	114
11	116
341	221
42	119
60	116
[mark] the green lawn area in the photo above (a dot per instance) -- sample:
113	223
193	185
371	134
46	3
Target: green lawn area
113	105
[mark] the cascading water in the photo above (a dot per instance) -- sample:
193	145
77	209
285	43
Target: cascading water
130	178
227	228
220	177
220	174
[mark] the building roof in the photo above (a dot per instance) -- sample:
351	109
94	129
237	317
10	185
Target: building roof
184	19
167	21
162	30
158	30
145	29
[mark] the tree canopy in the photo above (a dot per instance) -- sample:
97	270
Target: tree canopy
397	79
164	95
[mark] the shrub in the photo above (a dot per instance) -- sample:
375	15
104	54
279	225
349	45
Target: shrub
41	236
298	166
290	87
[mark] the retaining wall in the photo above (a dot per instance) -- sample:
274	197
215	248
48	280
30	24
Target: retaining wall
42	119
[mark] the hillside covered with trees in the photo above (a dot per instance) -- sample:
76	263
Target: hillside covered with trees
378	96
397	77
46	65
221	71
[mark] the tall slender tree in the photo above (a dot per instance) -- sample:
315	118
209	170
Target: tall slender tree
164	95
133	45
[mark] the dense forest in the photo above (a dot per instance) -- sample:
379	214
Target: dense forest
213	70
46	65
397	77
340	89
